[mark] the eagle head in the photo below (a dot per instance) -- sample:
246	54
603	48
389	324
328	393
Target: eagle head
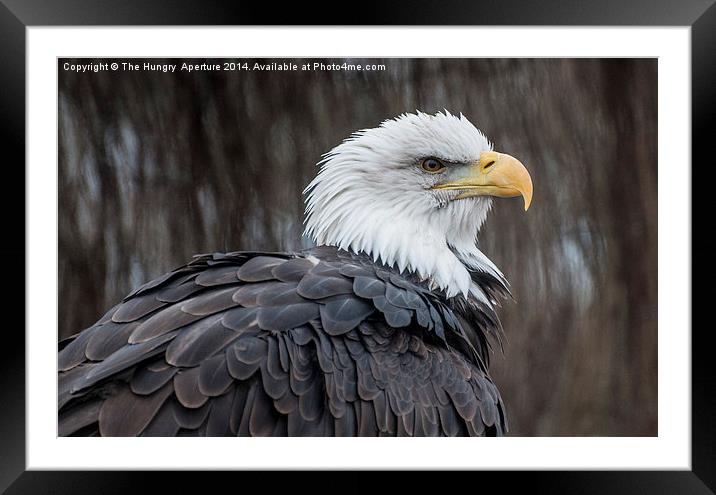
413	193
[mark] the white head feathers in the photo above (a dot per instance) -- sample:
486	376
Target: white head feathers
371	196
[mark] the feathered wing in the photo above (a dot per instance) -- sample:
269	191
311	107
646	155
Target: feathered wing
316	344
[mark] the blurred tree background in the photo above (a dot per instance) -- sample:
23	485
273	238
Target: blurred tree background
155	167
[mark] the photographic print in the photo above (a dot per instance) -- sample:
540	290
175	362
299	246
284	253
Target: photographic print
357	247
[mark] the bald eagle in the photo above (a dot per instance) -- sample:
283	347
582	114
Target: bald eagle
384	328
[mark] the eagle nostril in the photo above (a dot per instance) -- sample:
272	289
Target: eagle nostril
488	165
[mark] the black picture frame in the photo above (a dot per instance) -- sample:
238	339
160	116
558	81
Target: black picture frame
17	15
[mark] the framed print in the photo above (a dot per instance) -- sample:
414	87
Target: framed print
319	232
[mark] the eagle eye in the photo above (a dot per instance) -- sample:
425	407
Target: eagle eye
432	165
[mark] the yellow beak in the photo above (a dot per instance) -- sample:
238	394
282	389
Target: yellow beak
494	174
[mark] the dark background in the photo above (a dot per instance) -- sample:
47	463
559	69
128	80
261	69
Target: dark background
155	167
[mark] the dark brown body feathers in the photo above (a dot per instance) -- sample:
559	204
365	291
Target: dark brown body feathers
318	343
